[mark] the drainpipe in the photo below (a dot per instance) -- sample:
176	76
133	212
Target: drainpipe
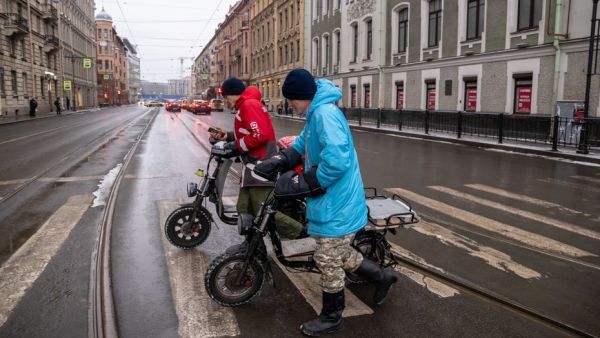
382	53
556	44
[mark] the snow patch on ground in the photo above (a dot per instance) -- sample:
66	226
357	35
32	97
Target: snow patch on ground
105	185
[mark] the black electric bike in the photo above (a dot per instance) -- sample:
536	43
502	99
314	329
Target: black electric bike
234	278
189	225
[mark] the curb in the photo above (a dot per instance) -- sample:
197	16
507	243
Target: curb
512	148
70	112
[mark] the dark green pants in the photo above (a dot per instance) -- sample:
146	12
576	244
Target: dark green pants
249	201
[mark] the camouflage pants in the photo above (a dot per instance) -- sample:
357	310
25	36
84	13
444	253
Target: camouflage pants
334	256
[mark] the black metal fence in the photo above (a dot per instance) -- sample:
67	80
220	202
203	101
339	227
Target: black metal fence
540	129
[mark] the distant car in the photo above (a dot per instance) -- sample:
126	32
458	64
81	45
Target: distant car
216	104
154	104
173	106
200	106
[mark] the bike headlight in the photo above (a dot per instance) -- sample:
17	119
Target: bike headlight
192	189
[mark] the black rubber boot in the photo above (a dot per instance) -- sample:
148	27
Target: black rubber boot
330	320
382	279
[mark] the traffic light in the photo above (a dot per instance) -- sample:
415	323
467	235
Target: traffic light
119	92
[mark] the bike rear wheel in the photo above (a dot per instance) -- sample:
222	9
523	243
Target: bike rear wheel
185	233
371	246
221	279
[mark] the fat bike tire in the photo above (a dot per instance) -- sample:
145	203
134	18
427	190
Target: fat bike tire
364	244
185	234
221	276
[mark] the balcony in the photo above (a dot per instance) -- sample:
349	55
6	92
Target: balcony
51	43
50	13
15	25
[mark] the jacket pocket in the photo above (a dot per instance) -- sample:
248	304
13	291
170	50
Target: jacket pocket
319	209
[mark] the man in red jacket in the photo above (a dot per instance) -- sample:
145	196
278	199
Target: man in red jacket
253	139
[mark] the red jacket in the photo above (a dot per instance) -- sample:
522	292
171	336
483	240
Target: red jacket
254	134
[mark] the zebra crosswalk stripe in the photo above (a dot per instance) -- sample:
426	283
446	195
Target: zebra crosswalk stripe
531	239
198	315
587	179
492	257
522	213
522	198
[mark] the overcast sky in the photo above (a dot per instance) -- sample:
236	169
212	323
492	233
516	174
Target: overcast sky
165	31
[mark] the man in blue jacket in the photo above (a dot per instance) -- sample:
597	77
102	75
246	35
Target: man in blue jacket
335	198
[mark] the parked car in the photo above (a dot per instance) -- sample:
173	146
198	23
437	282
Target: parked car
216	104
173	106
200	106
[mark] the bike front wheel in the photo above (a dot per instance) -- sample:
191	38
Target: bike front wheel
226	282
185	233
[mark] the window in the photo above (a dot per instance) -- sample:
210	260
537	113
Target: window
470	95
435	20
319	7
530	13
430	94
11	46
318	54
106	64
286	55
23	49
399	95
326	43
297	50
367	100
402	30
475	18
354	42
523	93
337	47
25	86
2	86
326	11
353	96
369	38
292	52
13	80
42	89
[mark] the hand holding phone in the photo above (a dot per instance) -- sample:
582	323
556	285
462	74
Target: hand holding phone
213	130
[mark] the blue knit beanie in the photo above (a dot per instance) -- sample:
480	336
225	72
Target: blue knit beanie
299	84
232	86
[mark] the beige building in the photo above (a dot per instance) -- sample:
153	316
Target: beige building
203	79
277	45
43	43
234	41
111	62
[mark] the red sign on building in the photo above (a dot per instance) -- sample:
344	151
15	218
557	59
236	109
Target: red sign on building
400	98
523	100
471	99
353	96
431	99
367	96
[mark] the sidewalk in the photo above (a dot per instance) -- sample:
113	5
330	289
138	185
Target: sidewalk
542	149
12	118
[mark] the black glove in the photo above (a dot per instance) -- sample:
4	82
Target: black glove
292	185
225	150
285	160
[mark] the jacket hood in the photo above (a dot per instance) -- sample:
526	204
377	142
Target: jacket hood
327	92
250	93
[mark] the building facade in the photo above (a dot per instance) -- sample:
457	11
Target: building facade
111	63
512	56
133	72
179	86
43	44
203	79
234	44
277	29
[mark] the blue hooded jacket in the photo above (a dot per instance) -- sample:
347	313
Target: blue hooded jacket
327	143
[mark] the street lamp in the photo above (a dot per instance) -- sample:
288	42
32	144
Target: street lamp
583	147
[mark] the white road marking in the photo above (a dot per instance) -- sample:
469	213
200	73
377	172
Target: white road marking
576	186
492	257
198	315
309	286
533	240
18	181
24	267
522	213
587	179
438	288
522	198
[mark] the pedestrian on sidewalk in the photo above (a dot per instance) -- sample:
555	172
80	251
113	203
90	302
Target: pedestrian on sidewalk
32	107
68	103
336	208
57	104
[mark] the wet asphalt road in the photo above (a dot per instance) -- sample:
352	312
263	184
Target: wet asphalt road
143	281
